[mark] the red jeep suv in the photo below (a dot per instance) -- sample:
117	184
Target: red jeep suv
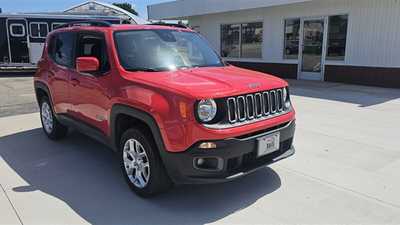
164	101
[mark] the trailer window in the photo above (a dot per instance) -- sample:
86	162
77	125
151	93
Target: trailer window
55	26
17	30
39	30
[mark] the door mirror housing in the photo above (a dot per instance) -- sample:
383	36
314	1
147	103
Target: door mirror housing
87	64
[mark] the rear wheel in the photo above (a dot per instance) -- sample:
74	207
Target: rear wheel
141	164
51	127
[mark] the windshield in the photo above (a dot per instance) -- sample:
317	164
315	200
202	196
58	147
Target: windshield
160	50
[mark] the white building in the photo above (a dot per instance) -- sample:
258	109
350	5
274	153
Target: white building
352	41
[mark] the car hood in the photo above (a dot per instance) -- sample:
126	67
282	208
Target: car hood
209	82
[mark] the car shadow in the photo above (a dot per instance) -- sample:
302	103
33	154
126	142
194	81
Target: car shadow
85	175
363	96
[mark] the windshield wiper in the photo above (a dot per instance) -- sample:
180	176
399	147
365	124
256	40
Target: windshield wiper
143	69
207	65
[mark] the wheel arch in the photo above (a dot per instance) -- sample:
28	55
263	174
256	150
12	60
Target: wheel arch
41	89
135	116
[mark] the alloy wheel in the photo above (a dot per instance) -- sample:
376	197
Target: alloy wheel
47	117
136	163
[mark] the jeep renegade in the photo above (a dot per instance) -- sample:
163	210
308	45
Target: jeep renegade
161	98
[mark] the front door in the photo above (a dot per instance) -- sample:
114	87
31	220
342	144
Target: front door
312	51
18	38
90	91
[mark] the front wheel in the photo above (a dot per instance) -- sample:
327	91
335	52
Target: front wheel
51	127
141	164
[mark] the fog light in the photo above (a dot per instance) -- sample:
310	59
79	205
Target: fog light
200	161
208	163
207	145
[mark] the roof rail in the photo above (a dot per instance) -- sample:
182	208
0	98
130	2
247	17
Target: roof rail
94	23
169	24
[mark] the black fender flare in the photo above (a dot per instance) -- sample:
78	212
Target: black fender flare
38	85
149	120
119	109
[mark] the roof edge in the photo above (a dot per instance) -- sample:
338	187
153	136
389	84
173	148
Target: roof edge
181	9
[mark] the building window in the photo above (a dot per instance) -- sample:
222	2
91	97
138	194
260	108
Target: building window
292	38
39	30
92	7
17	30
242	40
252	40
230	41
337	35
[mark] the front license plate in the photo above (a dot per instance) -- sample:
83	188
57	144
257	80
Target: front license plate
268	144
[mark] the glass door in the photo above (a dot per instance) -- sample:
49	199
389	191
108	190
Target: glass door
312	61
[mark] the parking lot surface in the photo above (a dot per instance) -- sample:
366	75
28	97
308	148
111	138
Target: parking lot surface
17	96
345	171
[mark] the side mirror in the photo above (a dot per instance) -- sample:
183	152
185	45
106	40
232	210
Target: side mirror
87	64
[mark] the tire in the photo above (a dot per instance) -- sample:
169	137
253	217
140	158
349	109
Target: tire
51	126
138	144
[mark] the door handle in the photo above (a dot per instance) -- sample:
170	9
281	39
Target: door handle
75	82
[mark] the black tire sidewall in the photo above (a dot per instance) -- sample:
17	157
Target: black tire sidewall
157	181
58	131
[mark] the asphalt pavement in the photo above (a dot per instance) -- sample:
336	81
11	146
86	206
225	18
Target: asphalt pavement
17	96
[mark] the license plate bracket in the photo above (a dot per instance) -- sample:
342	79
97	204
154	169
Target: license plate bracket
268	144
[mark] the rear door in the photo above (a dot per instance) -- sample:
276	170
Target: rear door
18	38
61	54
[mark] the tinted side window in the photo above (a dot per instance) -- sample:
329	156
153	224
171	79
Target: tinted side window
61	48
230	40
242	40
252	38
94	45
337	36
292	39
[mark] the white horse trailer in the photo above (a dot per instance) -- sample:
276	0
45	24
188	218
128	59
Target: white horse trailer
22	36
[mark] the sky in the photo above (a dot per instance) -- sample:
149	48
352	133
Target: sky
60	5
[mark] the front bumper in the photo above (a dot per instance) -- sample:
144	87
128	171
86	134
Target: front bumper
237	157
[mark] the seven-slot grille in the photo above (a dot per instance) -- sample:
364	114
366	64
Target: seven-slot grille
255	106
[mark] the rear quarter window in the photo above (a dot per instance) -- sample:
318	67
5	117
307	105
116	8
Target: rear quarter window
61	48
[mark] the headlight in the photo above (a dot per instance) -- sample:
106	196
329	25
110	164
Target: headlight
206	110
286	98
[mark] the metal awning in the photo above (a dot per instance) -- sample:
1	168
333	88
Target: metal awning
135	18
182	9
